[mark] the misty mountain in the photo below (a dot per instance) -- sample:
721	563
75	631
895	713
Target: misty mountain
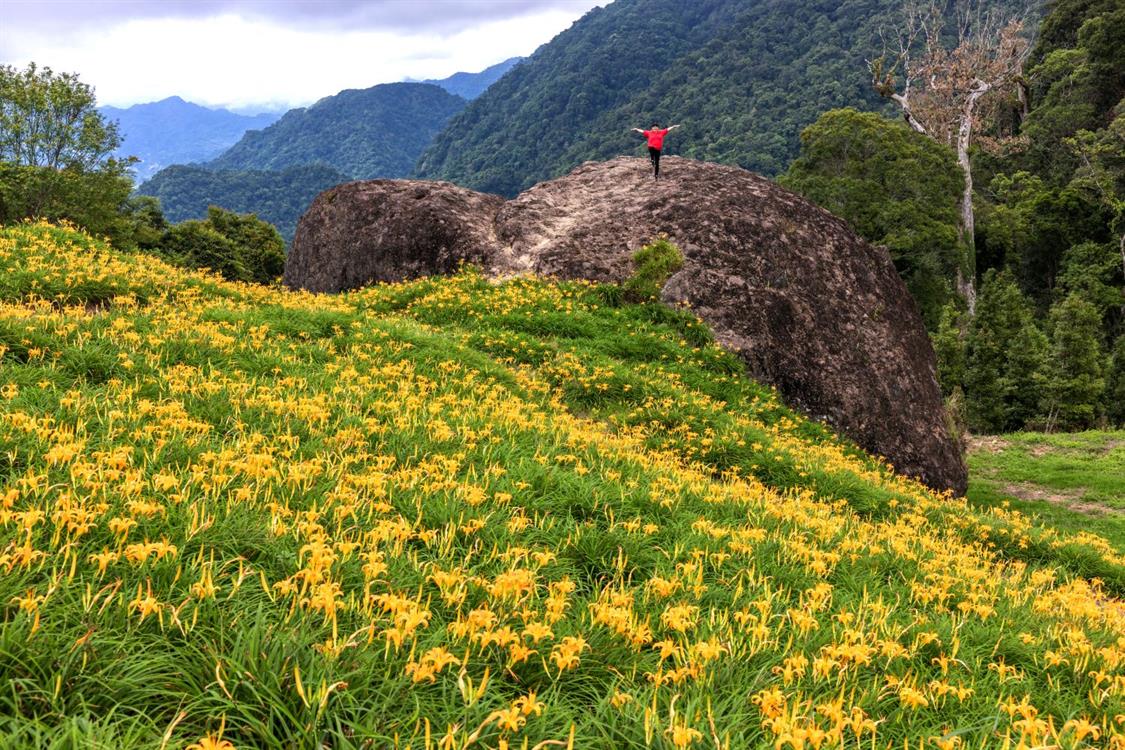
364	133
471	85
174	131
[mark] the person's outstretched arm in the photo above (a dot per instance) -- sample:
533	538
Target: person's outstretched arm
638	130
673	127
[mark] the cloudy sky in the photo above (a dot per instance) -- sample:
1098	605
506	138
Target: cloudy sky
258	54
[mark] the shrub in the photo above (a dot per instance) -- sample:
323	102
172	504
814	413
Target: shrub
196	244
655	263
261	248
241	247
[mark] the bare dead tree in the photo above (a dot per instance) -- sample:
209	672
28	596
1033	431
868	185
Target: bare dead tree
940	86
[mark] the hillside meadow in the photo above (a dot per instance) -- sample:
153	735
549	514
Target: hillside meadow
454	513
1071	480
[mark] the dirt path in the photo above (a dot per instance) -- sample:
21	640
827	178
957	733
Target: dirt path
1067	499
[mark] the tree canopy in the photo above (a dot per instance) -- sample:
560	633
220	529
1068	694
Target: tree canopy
364	134
279	197
743	77
895	187
51	120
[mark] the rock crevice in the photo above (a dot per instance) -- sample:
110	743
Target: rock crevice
812	309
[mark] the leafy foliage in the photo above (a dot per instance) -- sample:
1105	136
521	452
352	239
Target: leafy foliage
499	513
1032	225
1005	357
743	78
49	120
1115	383
655	263
895	187
365	133
186	192
196	244
949	347
240	247
1075	375
1051	217
55	155
92	200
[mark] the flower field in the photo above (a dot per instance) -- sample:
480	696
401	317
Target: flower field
455	514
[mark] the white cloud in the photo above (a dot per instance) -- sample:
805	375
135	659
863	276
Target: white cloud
234	60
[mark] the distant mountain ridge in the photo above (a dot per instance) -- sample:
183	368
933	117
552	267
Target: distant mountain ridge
278	196
364	133
275	171
471	85
174	131
742	76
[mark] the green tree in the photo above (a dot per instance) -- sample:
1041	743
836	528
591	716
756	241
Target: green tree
1115	384
260	247
51	120
1075	375
1001	382
1093	271
241	247
949	347
1024	376
55	154
1077	78
896	188
943	90
196	244
147	221
1031	225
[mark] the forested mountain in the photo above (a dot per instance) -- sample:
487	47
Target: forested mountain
173	131
471	85
363	133
278	196
276	172
743	76
1044	345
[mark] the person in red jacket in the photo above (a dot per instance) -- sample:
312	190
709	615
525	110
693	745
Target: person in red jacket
655	136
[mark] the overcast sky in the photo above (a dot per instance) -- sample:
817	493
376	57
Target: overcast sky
257	54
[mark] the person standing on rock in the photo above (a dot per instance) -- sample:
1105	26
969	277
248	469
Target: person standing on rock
655	136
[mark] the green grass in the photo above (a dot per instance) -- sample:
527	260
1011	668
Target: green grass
1072	481
239	511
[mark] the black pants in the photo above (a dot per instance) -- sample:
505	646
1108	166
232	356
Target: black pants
654	154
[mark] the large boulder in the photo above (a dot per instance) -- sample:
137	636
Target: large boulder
812	308
359	233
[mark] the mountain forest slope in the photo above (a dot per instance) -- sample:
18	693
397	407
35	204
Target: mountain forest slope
276	172
277	196
172	131
743	77
455	513
471	85
363	133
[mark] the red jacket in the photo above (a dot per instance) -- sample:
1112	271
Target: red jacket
656	138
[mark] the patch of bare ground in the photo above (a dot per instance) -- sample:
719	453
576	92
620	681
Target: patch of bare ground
1070	500
986	443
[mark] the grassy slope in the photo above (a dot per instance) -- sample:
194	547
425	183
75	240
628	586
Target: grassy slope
274	515
1072	481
